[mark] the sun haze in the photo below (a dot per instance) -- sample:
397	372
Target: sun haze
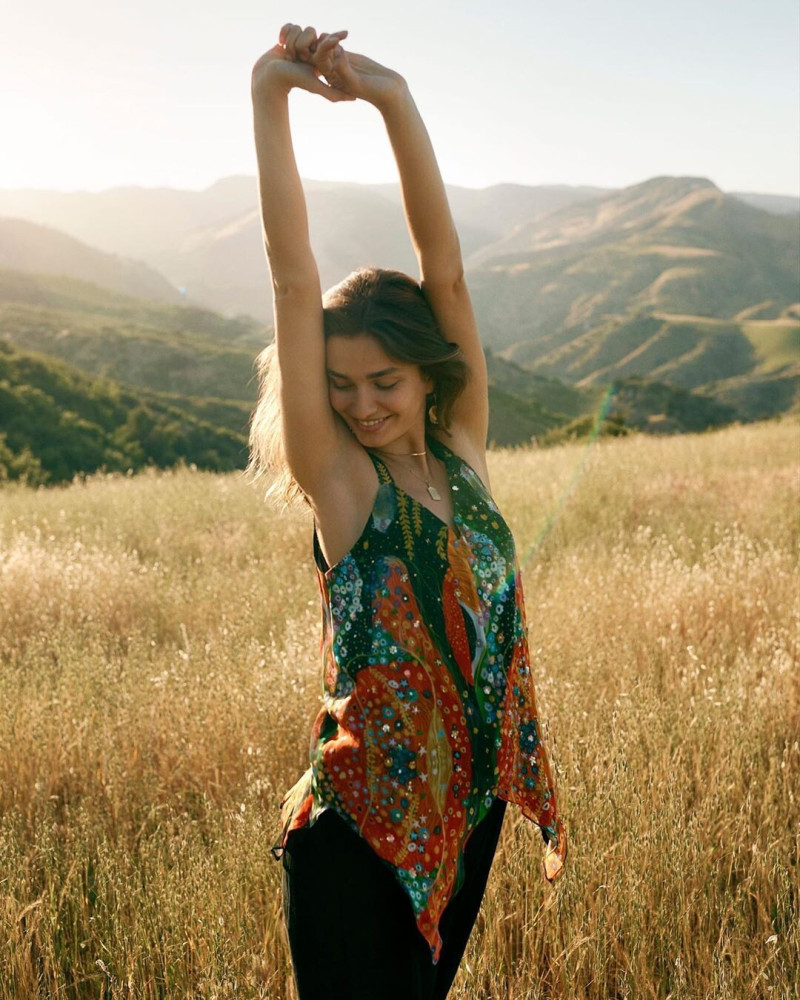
98	94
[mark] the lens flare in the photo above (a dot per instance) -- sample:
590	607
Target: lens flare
569	489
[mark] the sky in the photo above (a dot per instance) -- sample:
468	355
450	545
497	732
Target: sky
97	93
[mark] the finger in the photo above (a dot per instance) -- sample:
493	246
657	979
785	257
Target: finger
303	44
283	33
323	58
320	39
338	68
289	41
327	42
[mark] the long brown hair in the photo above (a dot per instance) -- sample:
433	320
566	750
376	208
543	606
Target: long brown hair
387	305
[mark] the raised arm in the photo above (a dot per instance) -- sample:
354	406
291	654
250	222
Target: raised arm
309	426
428	215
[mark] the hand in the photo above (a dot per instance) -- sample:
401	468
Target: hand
288	64
353	74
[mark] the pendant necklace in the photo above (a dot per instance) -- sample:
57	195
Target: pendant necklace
433	493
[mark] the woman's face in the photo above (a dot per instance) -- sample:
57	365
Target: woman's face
382	400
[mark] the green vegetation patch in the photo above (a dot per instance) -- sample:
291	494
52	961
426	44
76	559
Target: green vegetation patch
775	342
60	293
56	422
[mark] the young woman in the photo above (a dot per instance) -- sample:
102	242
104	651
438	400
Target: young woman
374	411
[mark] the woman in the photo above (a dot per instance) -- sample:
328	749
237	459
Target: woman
374	410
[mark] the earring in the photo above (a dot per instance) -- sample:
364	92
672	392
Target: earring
433	414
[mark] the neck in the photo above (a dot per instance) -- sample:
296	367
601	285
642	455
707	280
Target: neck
417	460
400	454
413	446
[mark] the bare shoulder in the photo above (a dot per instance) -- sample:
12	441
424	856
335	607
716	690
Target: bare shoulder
342	499
463	445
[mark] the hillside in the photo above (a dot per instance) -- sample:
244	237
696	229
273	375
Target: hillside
671	279
133	221
56	422
32	248
209	242
675	245
163	348
715	357
58	292
350	225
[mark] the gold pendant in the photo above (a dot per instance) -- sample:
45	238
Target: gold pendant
434	493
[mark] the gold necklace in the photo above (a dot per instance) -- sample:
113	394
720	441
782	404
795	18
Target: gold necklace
399	454
433	493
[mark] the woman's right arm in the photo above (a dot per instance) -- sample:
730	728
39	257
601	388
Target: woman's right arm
310	429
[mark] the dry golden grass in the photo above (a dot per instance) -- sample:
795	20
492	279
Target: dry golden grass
159	644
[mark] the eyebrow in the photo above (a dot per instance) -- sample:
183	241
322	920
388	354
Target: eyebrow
380	374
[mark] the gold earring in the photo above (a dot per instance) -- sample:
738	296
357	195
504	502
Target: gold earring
433	415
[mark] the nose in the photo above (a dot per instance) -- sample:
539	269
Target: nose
363	406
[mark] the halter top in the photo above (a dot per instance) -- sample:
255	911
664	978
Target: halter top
428	706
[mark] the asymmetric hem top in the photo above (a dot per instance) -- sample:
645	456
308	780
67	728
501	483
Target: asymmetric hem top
429	710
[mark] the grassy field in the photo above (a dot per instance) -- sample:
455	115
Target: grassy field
159	650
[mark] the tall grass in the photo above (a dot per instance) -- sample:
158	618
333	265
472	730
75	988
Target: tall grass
159	644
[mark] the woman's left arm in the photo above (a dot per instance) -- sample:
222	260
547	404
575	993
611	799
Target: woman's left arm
429	219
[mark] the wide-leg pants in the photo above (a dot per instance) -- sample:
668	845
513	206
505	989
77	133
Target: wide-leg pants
351	927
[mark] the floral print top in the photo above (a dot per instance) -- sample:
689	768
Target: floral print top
429	710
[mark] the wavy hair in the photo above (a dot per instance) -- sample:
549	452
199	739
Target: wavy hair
384	304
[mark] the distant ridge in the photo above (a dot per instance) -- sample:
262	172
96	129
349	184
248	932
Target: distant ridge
209	242
157	346
667	279
25	246
778	204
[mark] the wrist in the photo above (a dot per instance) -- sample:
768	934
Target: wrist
268	83
393	96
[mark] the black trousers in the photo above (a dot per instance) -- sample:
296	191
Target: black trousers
351	927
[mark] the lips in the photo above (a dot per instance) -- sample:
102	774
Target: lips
370	425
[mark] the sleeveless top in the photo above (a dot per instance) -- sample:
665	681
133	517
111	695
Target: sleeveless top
429	710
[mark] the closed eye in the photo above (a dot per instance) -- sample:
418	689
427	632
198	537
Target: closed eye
378	385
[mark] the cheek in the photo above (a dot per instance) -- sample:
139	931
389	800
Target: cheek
337	399
416	398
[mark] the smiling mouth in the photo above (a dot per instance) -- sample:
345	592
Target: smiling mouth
370	425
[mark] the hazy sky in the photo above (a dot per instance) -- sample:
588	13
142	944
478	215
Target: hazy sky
96	93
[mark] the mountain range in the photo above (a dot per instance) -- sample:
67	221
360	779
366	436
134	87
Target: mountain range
209	242
681	297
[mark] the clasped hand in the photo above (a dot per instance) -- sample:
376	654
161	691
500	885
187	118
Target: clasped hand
302	57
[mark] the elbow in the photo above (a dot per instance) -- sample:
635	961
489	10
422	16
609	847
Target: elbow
448	281
454	266
296	287
293	279
445	269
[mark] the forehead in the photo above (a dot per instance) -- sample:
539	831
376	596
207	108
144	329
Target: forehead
359	356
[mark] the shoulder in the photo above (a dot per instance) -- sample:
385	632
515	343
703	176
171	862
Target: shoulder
462	446
342	501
